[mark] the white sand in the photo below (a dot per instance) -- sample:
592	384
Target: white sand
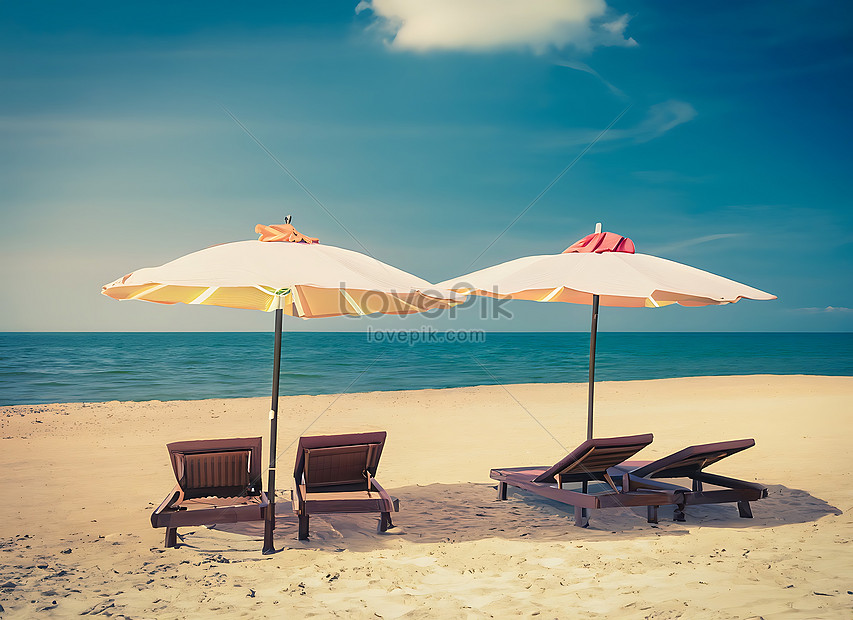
80	480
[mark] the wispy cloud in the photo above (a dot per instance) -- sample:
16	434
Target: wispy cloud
577	65
669	177
660	118
689	243
485	25
827	310
56	127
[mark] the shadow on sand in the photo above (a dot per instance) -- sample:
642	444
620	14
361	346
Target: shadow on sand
468	512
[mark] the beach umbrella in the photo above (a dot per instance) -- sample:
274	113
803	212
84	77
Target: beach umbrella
284	272
602	269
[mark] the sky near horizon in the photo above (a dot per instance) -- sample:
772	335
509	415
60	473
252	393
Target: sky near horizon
130	136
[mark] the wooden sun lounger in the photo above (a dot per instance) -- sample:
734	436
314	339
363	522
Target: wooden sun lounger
590	462
219	481
336	473
690	463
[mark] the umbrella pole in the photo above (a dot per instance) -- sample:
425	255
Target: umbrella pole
593	332
269	524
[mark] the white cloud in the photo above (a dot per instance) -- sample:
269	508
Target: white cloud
484	25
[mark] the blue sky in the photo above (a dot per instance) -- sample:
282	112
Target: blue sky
425	128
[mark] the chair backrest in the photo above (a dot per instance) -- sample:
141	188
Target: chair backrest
591	459
336	460
692	460
217	467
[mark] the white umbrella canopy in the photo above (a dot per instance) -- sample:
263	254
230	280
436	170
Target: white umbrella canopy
307	280
617	277
603	269
288	273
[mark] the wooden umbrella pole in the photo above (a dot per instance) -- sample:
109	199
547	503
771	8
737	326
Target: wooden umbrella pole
593	332
269	524
592	335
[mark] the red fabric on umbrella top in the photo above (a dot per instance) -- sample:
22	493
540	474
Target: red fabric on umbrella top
602	242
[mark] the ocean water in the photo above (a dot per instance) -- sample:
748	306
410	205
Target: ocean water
92	367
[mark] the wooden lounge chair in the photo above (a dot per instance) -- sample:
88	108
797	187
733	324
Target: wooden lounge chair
590	462
690	463
335	473
219	481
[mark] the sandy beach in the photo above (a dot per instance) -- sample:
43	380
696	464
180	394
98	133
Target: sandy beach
80	481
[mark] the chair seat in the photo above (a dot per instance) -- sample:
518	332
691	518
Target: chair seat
527	472
207	503
212	510
343	501
597	496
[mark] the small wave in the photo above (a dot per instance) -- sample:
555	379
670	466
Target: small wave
38	368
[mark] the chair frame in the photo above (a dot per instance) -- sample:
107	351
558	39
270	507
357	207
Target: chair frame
690	463
343	482
247	503
592	461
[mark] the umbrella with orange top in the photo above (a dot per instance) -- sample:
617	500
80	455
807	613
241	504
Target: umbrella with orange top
288	273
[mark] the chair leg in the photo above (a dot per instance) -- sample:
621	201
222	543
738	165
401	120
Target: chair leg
581	519
303	527
652	514
171	537
501	490
744	510
384	521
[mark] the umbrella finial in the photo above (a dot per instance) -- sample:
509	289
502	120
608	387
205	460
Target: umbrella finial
287	219
597	227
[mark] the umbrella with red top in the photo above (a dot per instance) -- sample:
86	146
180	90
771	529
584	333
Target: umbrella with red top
603	269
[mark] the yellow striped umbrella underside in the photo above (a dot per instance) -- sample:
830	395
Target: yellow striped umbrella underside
298	301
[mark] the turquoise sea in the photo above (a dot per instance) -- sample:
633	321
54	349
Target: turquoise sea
93	367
